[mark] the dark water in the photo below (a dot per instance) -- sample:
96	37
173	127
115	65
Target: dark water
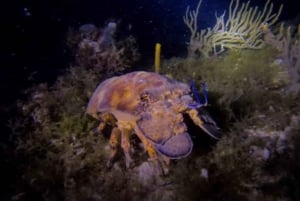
35	31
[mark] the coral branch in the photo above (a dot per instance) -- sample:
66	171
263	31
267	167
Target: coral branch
286	41
241	30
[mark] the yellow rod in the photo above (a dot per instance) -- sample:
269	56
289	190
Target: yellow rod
157	57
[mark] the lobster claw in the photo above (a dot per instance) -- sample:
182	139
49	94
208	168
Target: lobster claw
209	126
206	123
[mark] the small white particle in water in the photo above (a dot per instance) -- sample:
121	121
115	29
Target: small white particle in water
26	11
266	154
204	173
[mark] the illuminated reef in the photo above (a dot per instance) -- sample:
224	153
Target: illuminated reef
58	156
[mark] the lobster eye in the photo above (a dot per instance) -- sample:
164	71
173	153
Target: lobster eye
145	97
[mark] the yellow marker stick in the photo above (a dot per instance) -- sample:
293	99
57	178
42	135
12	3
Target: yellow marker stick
157	57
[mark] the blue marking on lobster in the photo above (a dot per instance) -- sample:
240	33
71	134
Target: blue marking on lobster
196	95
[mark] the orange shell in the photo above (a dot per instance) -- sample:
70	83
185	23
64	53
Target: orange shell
121	95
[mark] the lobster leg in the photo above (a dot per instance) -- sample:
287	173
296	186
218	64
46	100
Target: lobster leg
125	144
151	151
114	141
